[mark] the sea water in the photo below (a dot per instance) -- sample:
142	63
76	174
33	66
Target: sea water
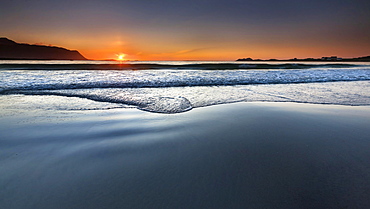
173	87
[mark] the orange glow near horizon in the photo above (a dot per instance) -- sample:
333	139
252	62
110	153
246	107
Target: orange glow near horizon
145	52
225	54
183	52
127	48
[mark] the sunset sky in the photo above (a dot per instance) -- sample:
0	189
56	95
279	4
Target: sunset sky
192	29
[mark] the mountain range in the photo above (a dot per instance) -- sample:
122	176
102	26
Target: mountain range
10	50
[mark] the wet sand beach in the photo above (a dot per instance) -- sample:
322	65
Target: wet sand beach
241	155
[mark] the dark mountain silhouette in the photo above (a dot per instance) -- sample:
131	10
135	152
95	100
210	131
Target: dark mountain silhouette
11	50
325	59
365	59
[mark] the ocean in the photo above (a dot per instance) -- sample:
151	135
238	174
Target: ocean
105	134
174	87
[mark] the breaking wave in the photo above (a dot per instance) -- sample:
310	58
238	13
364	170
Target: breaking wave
58	80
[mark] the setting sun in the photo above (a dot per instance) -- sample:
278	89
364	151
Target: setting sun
121	57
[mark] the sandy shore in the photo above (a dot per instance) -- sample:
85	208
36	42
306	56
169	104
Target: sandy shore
242	155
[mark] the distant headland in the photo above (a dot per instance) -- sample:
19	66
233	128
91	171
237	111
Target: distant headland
10	50
322	59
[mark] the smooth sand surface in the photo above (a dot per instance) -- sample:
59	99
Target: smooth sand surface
242	155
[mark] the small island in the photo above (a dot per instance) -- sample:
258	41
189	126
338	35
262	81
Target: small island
10	50
322	59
